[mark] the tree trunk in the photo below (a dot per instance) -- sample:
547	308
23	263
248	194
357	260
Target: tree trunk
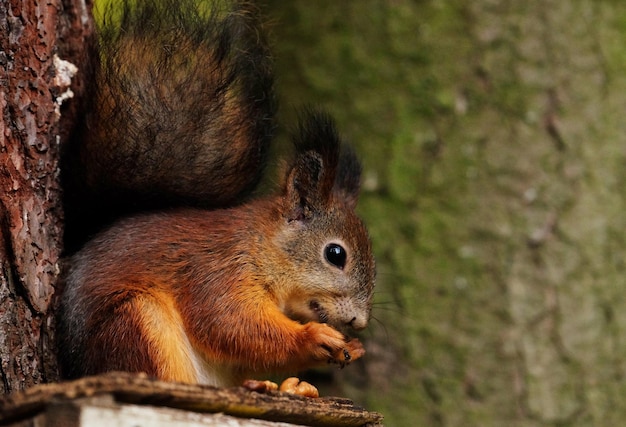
494	143
39	41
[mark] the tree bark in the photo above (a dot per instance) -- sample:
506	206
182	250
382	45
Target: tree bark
41	43
493	138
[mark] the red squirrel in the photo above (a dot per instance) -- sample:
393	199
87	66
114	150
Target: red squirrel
184	276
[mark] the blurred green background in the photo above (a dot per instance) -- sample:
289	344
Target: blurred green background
493	136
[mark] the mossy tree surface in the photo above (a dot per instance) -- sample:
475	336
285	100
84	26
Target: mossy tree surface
494	143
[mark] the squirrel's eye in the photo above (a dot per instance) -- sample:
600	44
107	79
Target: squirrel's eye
336	255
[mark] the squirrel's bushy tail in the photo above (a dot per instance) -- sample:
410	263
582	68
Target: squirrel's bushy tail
181	112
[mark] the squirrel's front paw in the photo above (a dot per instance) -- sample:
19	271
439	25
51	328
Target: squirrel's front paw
352	350
332	346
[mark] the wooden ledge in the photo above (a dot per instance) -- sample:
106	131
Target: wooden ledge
138	389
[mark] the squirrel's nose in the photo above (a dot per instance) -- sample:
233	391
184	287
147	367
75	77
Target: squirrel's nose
357	323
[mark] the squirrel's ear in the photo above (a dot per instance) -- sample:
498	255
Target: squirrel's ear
311	179
319	172
303	193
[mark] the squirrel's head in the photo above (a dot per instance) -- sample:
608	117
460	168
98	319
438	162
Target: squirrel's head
325	248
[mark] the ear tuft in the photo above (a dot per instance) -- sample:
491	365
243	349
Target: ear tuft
348	179
319	171
318	134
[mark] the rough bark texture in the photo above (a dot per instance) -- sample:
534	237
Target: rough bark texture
494	138
33	85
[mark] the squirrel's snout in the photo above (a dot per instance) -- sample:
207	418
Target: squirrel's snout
340	313
351	315
358	323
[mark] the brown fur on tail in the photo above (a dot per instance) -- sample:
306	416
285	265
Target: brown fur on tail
181	113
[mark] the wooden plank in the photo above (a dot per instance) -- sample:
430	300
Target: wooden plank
138	389
105	411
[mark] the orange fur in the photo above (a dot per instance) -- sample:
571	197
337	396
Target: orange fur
206	306
163	327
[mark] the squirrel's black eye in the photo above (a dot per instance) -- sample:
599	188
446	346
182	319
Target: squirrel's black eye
336	255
